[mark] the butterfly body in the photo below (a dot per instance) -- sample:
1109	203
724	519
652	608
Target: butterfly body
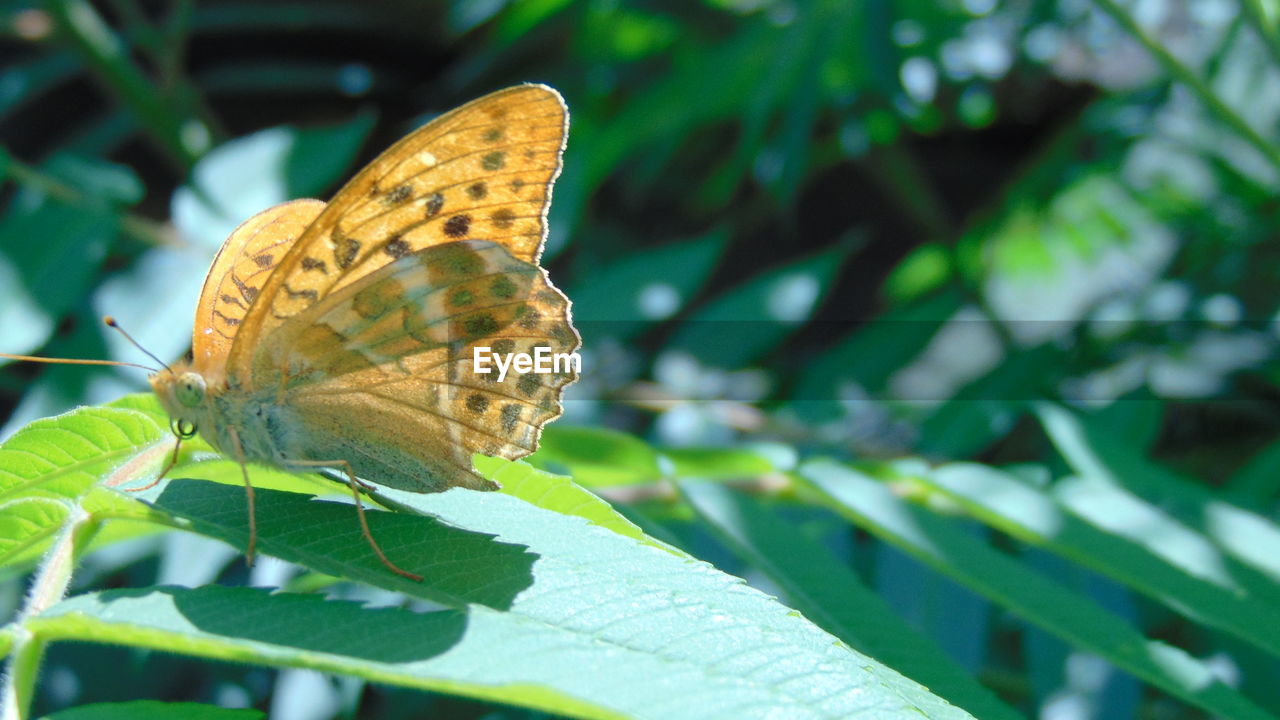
262	430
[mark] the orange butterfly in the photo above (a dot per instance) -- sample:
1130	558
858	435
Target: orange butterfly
341	335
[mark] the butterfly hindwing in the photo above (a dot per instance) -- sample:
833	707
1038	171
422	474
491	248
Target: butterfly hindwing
238	272
388	363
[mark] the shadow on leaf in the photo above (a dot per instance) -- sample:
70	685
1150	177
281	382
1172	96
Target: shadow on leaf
460	567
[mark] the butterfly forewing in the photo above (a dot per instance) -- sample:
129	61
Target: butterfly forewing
483	171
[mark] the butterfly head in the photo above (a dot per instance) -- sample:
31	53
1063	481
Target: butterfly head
184	394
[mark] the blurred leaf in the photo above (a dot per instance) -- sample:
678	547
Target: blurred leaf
622	297
22	82
522	17
100	181
756	316
242	177
870	355
26	324
320	156
50	251
154	710
987	408
1258	482
1038	599
596	457
1125	539
920	273
826	590
1094	451
712	463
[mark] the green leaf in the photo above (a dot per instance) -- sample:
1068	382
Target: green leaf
623	297
596	457
1124	538
50	252
940	543
546	611
1094	452
1259	479
154	710
718	463
827	591
870	355
249	174
54	463
318	157
560	494
26	527
985	409
742	324
61	457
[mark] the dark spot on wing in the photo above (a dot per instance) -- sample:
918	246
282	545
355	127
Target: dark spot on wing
502	287
530	318
510	416
398	195
528	384
248	292
308	294
477	403
503	218
461	297
396	247
479	325
345	249
457	226
435	201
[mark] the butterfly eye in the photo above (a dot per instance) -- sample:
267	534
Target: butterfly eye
183	429
190	389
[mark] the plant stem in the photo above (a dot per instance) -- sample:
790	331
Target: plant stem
50	584
183	137
1193	82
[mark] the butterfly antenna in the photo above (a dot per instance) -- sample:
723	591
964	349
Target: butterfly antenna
111	323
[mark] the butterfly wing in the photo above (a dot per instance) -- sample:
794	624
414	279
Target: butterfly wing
241	266
381	372
362	336
482	171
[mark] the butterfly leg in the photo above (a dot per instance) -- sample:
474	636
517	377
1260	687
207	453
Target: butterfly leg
173	460
248	492
355	484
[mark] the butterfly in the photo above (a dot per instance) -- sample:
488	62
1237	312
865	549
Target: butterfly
342	335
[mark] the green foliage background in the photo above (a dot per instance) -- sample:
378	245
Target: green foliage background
950	325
